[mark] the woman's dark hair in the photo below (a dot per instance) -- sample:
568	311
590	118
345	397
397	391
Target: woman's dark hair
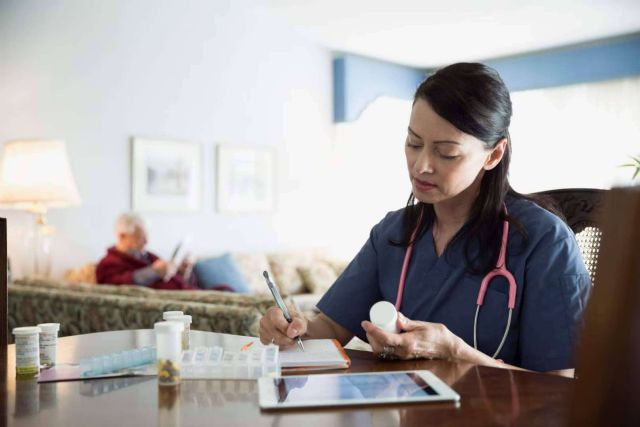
474	99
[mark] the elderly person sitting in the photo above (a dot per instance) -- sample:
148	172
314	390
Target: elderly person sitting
129	263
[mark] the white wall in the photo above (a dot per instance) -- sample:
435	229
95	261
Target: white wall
369	169
96	73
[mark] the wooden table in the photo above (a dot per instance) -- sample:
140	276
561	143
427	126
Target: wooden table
488	396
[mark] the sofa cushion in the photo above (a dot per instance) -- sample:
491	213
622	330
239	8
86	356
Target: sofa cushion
306	303
318	276
252	265
285	270
222	270
82	274
338	265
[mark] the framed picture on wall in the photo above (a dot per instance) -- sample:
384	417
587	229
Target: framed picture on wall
245	178
166	176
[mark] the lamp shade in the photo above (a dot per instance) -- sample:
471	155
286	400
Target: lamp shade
36	173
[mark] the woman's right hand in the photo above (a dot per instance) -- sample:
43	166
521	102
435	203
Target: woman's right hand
274	328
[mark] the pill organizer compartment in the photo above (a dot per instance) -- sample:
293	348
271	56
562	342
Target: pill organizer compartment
214	362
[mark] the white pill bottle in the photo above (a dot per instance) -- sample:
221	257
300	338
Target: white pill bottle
27	351
48	343
169	351
186	332
384	315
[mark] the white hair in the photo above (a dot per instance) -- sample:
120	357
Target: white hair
128	222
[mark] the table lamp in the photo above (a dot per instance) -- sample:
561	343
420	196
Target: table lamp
34	176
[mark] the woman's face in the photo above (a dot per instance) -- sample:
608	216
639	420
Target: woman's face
442	160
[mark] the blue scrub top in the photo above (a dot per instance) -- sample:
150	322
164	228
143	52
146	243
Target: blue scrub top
552	288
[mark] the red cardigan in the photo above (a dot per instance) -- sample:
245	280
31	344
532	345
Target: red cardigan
117	268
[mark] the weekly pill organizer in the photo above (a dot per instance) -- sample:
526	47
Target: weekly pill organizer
199	363
228	357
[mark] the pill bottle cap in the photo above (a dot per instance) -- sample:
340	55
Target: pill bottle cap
384	315
167	327
185	318
167	314
26	330
49	327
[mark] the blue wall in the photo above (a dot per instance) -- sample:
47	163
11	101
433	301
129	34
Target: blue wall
358	81
604	60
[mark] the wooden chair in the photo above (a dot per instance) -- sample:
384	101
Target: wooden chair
608	385
582	209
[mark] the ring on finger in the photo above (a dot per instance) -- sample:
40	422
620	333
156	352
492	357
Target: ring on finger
385	353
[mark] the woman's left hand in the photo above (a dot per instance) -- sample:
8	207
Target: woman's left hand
416	340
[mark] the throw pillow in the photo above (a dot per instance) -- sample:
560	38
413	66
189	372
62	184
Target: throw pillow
318	276
252	265
214	272
338	265
285	270
84	274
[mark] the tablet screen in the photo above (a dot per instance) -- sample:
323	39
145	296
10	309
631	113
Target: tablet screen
318	388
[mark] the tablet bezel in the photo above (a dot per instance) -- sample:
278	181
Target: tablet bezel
268	397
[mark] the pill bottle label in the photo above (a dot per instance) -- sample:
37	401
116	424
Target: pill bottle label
27	355
48	344
185	338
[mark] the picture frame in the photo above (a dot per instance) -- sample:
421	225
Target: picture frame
166	175
245	179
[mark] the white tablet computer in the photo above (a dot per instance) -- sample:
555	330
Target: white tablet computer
392	387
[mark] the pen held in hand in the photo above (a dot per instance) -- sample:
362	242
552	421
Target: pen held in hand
281	304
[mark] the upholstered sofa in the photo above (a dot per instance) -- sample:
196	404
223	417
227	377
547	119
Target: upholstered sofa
81	306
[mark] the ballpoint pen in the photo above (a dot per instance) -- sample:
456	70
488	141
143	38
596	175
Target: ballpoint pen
280	302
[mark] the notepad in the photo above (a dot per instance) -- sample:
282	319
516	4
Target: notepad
318	355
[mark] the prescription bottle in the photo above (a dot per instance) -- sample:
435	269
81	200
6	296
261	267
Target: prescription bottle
186	332
384	315
169	351
48	343
27	351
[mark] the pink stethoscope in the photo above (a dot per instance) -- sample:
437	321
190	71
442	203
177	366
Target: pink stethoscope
500	270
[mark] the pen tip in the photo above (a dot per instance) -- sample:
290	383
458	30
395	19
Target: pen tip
265	274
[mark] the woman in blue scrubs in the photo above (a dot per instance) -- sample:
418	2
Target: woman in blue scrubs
458	152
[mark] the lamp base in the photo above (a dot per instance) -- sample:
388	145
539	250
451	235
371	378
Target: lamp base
39	245
42	252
